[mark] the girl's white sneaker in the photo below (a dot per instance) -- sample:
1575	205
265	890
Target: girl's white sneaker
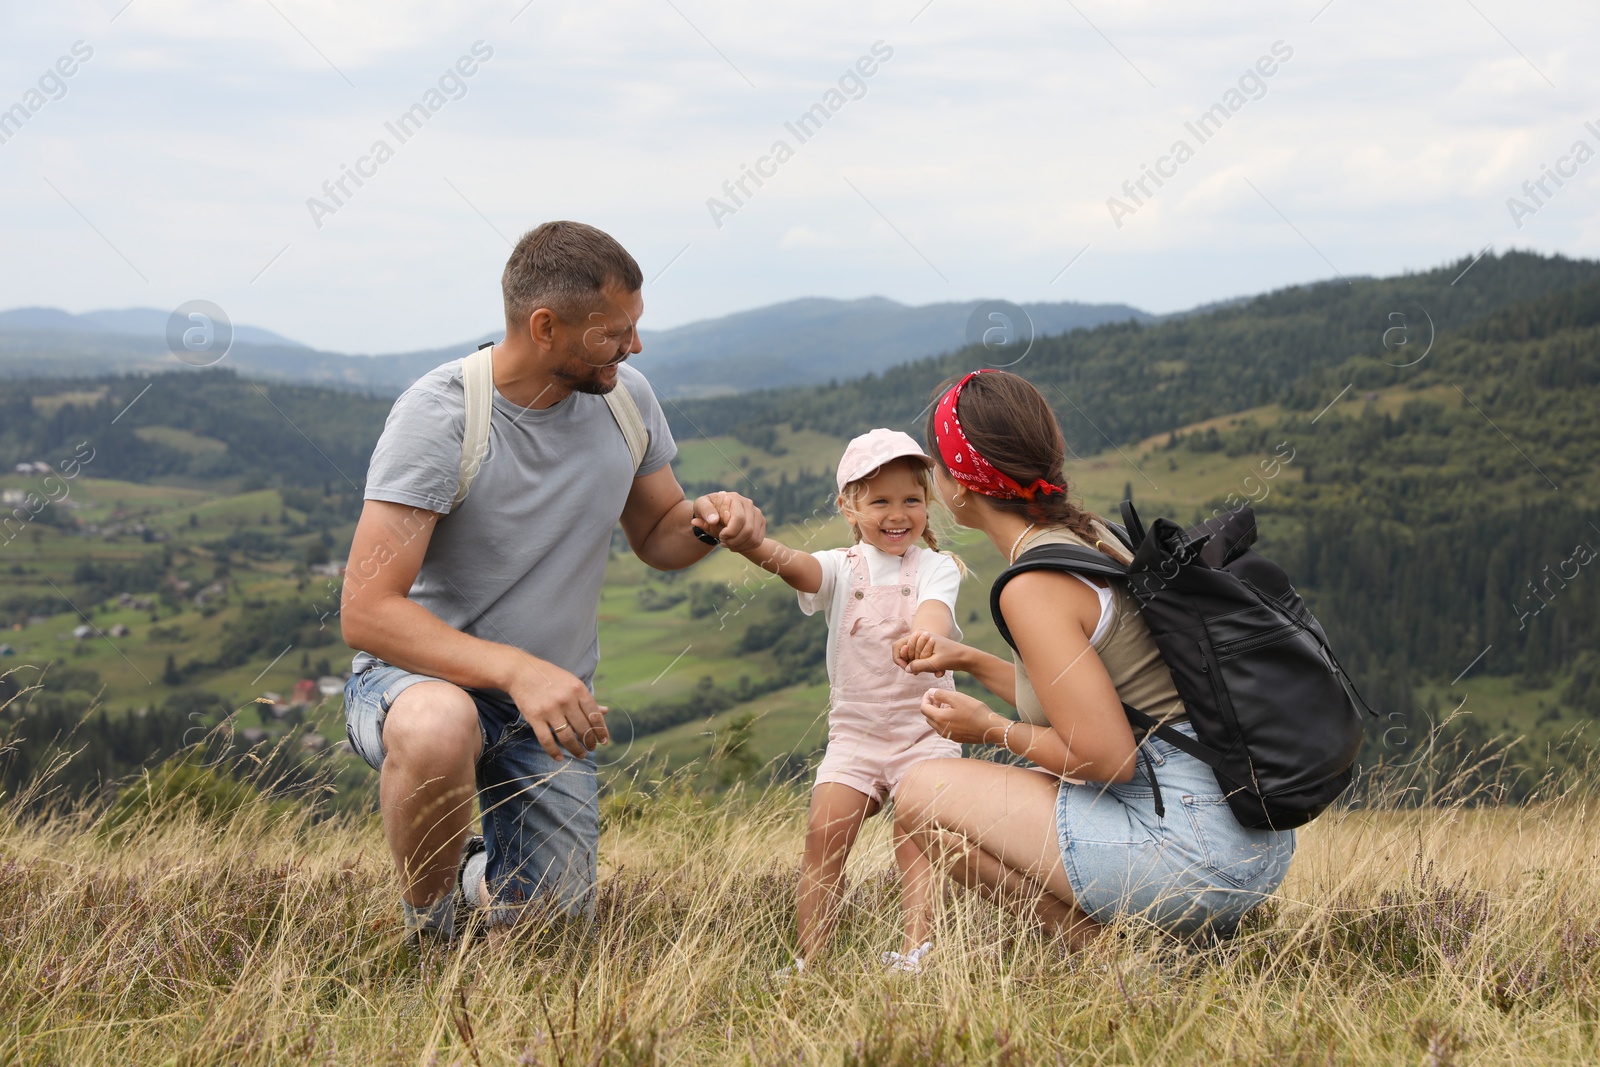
791	973
906	962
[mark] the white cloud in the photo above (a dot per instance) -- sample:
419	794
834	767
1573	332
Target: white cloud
990	140
806	237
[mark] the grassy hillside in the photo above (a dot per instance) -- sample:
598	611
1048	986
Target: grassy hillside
224	929
655	663
207	600
1431	511
199	604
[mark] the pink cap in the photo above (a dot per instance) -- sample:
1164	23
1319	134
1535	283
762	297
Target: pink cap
871	450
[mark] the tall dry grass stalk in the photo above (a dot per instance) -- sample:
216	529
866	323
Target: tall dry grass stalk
1430	924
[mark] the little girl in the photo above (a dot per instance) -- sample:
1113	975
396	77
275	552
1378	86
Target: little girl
872	594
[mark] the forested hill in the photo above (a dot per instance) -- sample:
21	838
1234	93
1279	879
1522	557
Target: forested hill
1125	381
1115	383
1456	516
197	426
1441	508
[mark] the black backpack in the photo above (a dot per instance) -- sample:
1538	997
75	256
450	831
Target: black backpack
1276	718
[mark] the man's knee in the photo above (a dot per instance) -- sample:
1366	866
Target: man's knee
432	724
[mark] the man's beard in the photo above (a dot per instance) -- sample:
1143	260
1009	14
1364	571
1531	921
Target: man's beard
587	379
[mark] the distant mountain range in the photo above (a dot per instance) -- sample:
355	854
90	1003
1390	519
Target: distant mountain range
799	342
131	322
811	341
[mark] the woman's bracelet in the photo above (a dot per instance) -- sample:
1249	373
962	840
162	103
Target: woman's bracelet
1005	738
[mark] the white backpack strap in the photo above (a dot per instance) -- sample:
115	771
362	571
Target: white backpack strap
626	412
477	381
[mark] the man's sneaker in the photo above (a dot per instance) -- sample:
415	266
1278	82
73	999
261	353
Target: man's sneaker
470	872
431	925
906	962
470	875
440	922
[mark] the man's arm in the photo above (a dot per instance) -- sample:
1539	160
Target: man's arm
385	556
659	521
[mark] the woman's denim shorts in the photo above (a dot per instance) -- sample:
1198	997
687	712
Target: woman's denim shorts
1195	871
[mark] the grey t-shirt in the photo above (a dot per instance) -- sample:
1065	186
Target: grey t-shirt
521	561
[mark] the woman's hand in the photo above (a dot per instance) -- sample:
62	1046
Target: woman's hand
920	651
960	717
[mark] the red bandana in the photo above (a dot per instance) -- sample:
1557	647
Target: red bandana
966	465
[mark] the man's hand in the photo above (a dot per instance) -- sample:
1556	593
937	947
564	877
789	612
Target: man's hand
920	651
659	521
733	519
560	709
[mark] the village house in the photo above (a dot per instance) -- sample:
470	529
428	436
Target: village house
210	592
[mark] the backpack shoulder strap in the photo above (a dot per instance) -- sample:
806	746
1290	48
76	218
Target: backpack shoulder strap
477	382
1149	724
626	412
1077	560
1132	532
1071	558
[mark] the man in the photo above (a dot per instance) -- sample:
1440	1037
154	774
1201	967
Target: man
478	618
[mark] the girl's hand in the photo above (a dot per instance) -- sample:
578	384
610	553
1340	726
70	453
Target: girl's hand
921	651
960	717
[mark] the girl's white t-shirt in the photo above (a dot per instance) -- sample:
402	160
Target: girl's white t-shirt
938	578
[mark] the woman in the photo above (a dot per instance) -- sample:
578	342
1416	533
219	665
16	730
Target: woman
1083	844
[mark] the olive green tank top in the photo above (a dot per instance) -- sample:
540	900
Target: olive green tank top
1125	647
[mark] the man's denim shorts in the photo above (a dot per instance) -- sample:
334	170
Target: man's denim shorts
1197	870
541	818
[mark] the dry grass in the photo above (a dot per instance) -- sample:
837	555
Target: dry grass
1439	935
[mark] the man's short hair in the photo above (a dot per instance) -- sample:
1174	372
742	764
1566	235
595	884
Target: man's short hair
563	266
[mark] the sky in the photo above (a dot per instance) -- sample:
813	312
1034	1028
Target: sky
966	150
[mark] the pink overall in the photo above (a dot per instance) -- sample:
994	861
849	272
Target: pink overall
875	724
